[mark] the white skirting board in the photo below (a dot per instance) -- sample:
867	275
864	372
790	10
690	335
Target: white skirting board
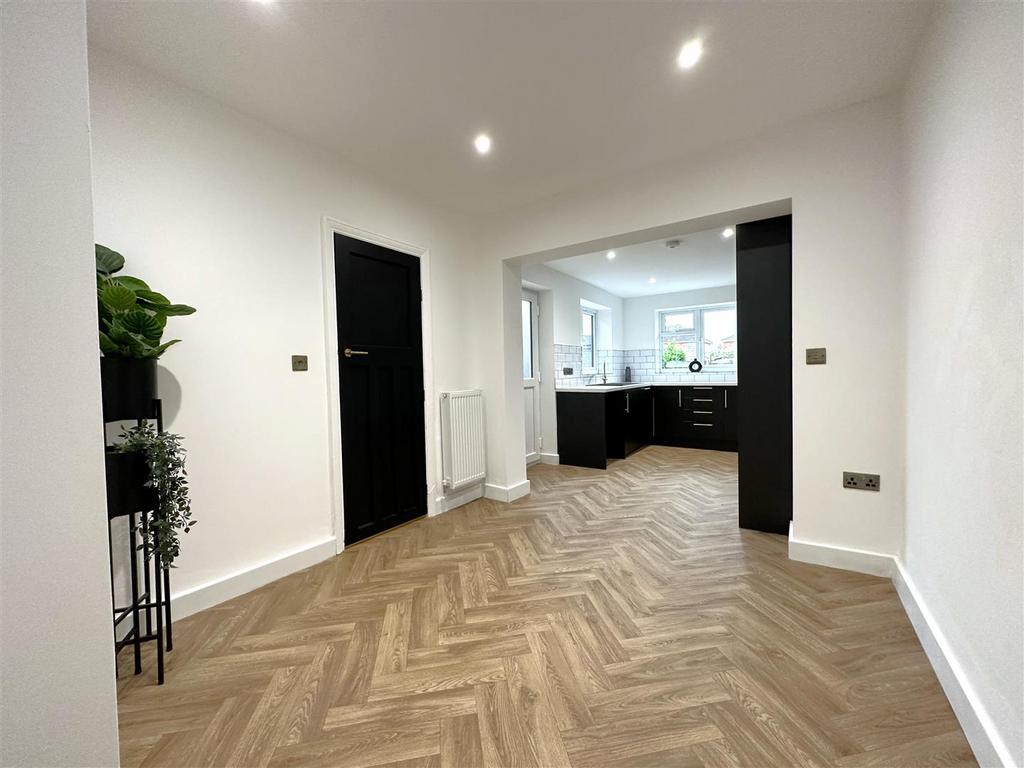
208	595
549	458
989	748
507	493
454	499
859	560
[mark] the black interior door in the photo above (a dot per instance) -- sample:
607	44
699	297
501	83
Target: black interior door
380	362
764	320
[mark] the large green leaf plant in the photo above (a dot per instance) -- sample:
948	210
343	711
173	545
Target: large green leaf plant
132	315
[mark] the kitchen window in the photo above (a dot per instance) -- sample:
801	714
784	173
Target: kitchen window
588	335
707	334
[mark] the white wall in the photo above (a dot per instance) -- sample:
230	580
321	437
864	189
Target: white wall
218	211
58	703
841	171
963	316
567	292
640	312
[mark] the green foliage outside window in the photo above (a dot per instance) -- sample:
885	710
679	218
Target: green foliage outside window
673	353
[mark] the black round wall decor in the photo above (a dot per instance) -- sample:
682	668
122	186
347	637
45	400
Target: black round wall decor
695	366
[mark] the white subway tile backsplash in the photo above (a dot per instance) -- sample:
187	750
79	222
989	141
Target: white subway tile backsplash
644	364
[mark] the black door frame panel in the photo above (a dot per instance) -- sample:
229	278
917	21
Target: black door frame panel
431	426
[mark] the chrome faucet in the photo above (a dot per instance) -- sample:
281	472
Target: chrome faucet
604	374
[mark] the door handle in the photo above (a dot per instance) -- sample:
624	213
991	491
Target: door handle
349	352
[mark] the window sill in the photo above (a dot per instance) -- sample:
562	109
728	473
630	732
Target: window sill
703	370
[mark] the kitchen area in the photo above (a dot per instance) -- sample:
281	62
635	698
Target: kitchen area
602	422
643	349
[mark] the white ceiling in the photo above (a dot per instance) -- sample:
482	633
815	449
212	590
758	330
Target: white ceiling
702	260
570	92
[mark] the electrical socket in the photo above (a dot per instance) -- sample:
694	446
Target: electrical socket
862	481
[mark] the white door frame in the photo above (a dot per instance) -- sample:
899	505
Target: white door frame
534	298
431	413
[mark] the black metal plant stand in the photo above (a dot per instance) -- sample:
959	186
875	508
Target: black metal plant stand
154	599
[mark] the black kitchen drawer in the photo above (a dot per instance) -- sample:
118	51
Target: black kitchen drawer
696	416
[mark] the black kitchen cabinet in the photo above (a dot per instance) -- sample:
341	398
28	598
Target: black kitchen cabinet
583	434
594	427
696	416
614	424
668	416
637	419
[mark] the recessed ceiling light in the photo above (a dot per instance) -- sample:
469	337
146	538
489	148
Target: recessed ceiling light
652	280
610	255
482	143
728	232
690	53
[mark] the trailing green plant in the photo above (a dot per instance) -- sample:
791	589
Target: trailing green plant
166	459
132	315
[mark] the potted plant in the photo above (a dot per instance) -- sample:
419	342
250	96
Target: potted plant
164	464
132	320
128	487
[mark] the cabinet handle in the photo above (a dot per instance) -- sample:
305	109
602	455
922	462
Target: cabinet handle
627	402
727	398
703	400
702	387
703	425
704	413
680	393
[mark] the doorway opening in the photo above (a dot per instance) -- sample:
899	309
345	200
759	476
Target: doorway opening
647	350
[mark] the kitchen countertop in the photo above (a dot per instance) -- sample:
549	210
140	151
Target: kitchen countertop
640	385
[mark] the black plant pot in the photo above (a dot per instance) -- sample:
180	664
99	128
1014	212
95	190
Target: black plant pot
129	388
127	474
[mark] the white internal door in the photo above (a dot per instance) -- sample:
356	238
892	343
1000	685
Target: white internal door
531	376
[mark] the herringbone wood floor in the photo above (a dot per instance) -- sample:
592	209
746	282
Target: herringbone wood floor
609	618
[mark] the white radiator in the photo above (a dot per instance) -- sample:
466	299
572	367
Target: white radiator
462	437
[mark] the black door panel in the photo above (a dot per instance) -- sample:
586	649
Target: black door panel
382	419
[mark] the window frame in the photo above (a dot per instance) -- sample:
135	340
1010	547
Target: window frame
698	331
592	368
533	299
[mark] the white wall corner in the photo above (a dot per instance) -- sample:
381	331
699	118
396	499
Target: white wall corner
217	591
454	499
846	558
989	748
549	458
507	493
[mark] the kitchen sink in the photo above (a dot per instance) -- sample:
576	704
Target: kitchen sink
611	384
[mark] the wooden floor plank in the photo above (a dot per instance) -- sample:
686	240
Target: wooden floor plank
615	618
